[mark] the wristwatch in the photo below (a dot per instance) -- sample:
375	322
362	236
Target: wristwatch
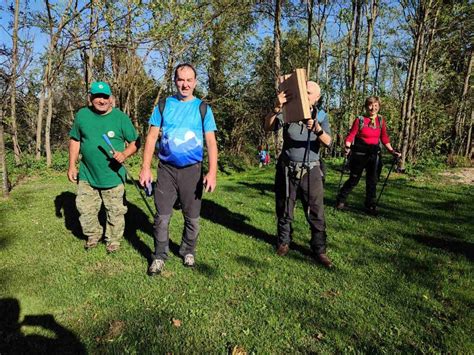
319	133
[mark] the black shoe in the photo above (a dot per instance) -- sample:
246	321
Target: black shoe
372	210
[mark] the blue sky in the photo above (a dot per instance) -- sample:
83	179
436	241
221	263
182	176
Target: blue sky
39	39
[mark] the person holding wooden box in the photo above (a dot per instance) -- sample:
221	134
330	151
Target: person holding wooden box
298	170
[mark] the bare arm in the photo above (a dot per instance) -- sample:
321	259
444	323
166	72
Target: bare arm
391	150
130	150
314	126
281	99
74	148
151	138
210	180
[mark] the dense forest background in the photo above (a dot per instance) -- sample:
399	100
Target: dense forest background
417	55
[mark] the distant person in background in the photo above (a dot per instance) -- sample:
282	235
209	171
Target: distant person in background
362	144
101	176
181	129
267	158
262	157
299	173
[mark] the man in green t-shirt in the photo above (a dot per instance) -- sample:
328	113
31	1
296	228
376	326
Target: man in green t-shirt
101	174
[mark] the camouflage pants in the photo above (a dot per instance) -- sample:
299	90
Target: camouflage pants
88	202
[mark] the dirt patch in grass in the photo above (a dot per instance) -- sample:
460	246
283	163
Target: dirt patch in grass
464	176
106	268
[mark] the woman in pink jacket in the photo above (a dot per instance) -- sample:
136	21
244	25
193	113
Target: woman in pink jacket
363	143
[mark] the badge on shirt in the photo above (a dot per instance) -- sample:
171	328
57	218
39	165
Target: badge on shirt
111	134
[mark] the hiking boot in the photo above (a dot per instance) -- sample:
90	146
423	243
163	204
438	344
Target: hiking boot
112	248
341	206
372	210
189	260
91	243
156	267
324	260
283	249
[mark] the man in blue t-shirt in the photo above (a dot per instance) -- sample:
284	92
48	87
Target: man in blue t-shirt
181	132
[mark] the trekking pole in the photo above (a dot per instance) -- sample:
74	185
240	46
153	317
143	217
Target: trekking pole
385	182
109	143
342	173
308	170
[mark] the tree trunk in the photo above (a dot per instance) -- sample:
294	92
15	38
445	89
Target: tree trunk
277	43
16	146
411	85
278	135
216	70
322	17
47	129
136	100
167	77
39	122
92	38
375	88
3	164
469	145
309	6
461	111
353	50
371	18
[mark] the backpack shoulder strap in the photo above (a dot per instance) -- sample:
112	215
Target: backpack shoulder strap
361	122
161	108
380	120
203	111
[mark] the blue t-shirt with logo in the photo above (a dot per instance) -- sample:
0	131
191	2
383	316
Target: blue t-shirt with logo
182	138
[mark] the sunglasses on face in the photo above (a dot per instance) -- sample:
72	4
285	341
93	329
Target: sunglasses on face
99	96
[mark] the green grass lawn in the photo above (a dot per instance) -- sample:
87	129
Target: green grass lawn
402	282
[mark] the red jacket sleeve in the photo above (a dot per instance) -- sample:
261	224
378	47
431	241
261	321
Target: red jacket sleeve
352	133
384	135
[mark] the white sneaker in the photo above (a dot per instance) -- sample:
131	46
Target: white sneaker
156	267
189	260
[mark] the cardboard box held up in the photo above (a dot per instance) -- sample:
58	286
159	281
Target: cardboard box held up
297	108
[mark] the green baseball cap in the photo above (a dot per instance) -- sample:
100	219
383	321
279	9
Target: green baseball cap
99	87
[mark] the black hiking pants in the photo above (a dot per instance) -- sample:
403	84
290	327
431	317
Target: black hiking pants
311	193
372	164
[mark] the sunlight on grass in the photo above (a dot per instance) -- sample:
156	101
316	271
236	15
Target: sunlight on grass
402	282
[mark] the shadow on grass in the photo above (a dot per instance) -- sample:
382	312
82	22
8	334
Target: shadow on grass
448	244
263	188
12	339
135	220
205	269
250	262
65	206
238	223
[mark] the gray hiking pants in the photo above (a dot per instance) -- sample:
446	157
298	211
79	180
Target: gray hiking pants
185	185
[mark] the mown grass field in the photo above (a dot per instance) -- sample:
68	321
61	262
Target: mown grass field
402	282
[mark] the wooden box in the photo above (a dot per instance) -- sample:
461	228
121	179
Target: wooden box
297	108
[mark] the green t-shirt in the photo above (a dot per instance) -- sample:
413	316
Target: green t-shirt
98	167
